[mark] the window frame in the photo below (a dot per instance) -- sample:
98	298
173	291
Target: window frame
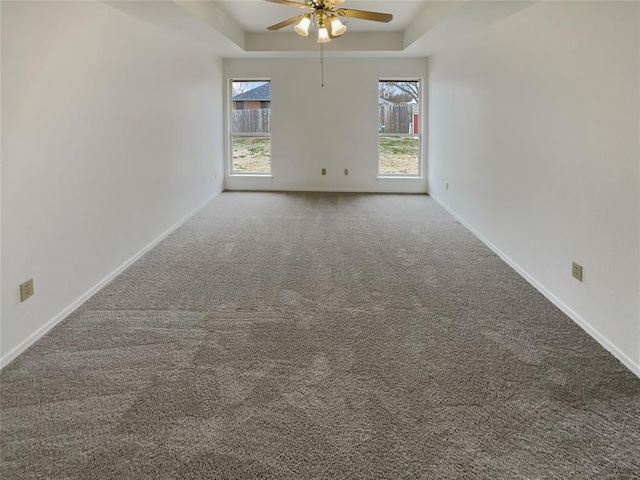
230	133
420	159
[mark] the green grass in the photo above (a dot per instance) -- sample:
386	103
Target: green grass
252	155
399	145
398	155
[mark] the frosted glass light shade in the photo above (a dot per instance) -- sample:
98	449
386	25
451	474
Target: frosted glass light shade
323	35
337	27
302	28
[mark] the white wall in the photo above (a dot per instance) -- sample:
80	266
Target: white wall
334	127
111	134
534	123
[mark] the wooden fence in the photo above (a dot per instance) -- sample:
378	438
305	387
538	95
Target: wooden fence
396	118
255	120
393	119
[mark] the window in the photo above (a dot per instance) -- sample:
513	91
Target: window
399	132
250	127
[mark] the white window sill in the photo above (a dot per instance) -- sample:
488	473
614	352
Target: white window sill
399	177
250	175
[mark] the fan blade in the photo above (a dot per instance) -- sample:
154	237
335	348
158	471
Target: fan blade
364	15
288	2
286	23
335	3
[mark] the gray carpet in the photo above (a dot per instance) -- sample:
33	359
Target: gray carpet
292	335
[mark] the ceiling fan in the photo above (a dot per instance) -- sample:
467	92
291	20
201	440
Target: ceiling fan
324	15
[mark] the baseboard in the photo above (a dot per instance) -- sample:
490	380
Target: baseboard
35	336
314	189
586	326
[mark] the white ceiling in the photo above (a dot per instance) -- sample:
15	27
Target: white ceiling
237	28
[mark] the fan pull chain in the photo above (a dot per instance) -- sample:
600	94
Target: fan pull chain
322	62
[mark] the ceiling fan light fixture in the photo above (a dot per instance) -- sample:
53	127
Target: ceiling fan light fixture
323	35
324	16
337	27
302	28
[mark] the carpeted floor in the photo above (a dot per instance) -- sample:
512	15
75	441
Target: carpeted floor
294	335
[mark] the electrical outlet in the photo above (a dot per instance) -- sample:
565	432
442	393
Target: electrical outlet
324	171
26	289
576	271
346	171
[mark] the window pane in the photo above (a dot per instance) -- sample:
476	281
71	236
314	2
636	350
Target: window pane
251	126
399	127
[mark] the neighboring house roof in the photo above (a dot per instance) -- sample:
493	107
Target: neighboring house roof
261	93
382	101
